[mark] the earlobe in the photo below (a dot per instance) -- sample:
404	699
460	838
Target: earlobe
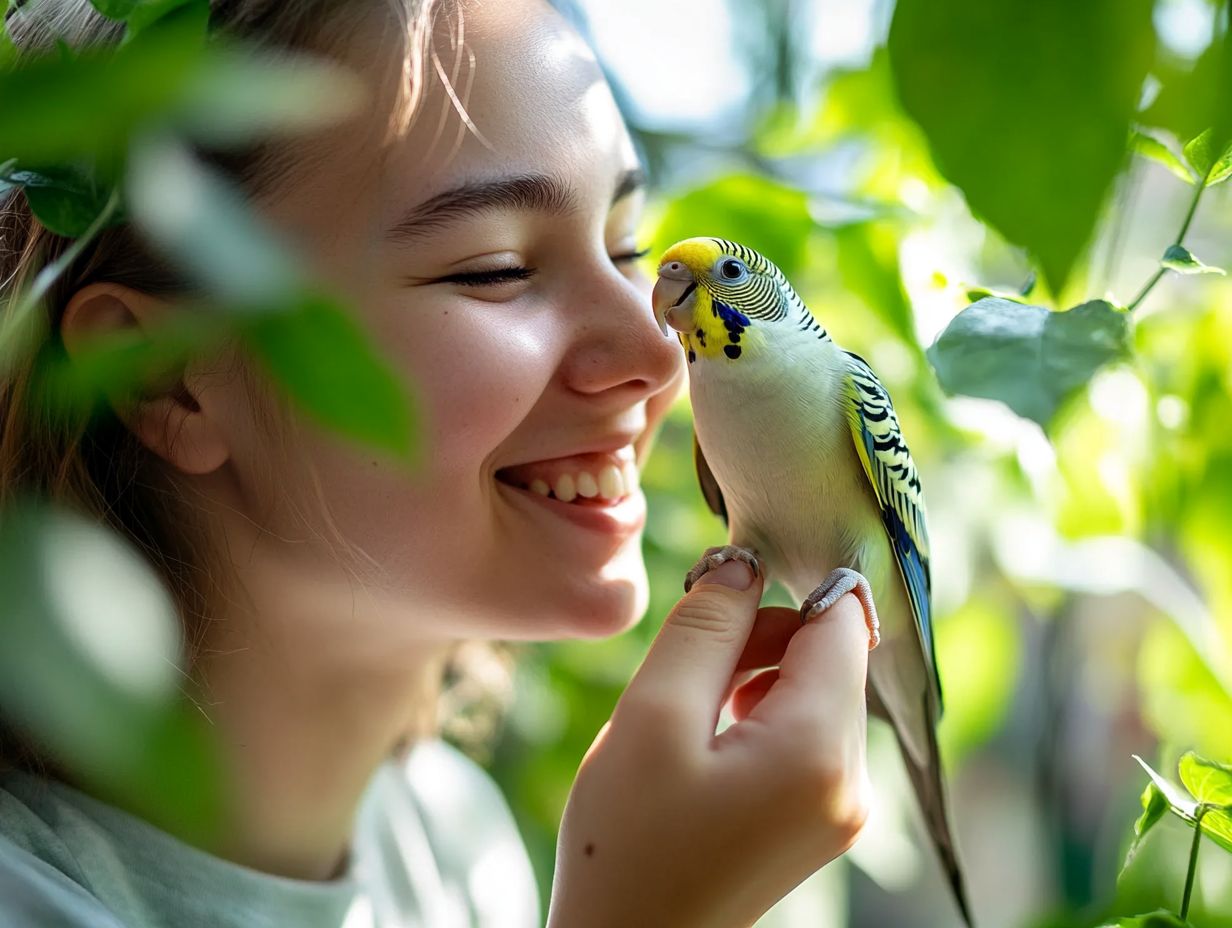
169	419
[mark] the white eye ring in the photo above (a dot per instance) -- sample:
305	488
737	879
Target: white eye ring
731	269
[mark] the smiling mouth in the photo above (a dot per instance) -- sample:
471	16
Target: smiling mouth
596	479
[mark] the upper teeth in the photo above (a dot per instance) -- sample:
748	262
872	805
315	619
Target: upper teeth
612	483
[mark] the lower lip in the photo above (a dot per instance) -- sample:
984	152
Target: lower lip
622	518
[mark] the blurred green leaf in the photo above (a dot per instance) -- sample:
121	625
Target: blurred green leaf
1215	166
115	9
1027	108
1025	356
1150	147
146	13
66	200
1180	259
868	265
203	223
240	94
1193	100
327	363
8	51
58	108
769	217
1154	805
89	666
1160	919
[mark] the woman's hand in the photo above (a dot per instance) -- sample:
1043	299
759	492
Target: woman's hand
667	823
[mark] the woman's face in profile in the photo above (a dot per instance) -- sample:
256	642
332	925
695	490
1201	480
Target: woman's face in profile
491	256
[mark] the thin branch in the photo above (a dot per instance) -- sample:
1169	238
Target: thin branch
1180	237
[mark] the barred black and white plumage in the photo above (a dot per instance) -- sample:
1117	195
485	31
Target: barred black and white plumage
800	451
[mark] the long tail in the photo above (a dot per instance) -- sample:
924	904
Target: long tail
930	792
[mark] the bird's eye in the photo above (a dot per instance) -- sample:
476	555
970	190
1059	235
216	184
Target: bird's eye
731	269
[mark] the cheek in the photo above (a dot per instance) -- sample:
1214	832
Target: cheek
475	375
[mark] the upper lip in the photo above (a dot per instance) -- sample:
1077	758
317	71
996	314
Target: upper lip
608	444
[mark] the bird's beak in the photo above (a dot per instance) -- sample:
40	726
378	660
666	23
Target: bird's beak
673	297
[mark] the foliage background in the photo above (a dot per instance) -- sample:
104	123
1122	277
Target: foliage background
1081	578
1082	567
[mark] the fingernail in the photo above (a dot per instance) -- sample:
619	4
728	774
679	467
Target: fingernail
734	574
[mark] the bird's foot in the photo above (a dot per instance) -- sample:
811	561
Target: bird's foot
716	556
841	581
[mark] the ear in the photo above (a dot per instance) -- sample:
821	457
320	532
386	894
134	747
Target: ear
170	421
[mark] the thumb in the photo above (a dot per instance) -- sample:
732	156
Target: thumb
690	664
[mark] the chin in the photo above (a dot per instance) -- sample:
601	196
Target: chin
597	605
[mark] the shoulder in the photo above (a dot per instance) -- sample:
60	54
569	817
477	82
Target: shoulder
34	894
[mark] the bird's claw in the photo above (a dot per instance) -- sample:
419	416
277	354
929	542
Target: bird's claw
841	581
716	556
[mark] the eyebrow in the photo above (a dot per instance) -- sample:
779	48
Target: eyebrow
541	193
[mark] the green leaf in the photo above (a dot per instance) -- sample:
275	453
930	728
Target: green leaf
242	94
1026	108
1025	356
115	9
1207	162
64	199
8	51
1180	259
1177	800
328	365
770	217
1211	783
1159	919
204	224
1150	147
1154	805
60	108
868	265
89	666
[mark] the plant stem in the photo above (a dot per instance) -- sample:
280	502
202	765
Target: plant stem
25	303
1180	237
1193	858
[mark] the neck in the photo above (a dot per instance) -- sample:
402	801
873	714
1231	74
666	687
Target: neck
308	693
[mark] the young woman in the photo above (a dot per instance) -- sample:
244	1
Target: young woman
489	246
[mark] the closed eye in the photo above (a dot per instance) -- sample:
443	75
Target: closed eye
499	275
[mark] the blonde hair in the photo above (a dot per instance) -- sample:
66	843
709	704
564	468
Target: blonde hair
91	462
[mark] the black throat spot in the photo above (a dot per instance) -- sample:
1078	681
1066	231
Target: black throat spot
732	351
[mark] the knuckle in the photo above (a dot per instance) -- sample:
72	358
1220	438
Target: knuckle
706	612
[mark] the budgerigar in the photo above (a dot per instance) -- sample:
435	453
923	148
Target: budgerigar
799	450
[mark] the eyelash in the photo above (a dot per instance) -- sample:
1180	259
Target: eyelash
503	275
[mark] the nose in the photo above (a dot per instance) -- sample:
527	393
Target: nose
619	348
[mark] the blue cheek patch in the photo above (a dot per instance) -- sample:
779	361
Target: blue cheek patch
733	320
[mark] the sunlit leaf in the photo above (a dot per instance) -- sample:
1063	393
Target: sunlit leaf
1150	147
1215	166
1175	796
1027	108
327	363
66	200
1211	783
89	666
1180	259
1154	805
770	217
1025	356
